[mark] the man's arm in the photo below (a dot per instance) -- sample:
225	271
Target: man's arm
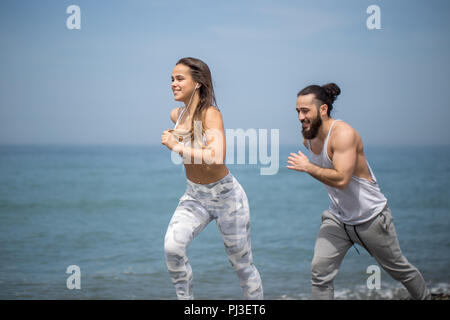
343	144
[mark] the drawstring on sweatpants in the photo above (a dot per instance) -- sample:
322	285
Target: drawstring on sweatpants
359	238
353	244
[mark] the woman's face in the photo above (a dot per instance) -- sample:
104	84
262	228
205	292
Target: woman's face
182	83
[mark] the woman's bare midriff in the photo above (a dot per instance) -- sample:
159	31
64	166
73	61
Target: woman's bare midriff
204	173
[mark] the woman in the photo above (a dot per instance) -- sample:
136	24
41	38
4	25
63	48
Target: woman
212	192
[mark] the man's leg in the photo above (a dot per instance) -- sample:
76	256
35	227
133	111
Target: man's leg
331	246
381	239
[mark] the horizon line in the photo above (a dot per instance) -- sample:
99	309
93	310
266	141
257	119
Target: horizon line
156	144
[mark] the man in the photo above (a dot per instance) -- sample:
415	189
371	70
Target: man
358	211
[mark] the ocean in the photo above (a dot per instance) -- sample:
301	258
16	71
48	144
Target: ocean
105	209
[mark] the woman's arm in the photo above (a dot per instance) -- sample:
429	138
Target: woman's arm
214	150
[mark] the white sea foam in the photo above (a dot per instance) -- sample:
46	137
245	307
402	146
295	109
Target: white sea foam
387	292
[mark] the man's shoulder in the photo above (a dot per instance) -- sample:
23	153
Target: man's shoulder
343	133
342	127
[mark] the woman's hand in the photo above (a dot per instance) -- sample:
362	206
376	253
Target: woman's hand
168	139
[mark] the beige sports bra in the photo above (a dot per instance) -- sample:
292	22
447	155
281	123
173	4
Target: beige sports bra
184	136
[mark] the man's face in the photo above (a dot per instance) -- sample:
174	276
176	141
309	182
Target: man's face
308	114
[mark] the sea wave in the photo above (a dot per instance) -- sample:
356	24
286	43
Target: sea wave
386	292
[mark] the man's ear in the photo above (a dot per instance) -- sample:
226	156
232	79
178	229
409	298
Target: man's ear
323	109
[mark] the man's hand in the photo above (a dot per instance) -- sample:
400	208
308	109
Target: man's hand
298	162
343	143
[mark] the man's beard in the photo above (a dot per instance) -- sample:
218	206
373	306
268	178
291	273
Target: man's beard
313	129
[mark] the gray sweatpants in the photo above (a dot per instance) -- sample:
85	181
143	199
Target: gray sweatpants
378	237
226	202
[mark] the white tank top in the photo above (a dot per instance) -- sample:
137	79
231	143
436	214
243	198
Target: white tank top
360	201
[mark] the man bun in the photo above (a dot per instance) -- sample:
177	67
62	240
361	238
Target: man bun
325	94
332	90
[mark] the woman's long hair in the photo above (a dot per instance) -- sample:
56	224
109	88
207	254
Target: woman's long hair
201	74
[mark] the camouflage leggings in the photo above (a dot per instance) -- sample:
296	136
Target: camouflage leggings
226	202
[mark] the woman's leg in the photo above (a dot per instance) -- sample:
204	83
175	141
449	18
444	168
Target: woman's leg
233	221
188	221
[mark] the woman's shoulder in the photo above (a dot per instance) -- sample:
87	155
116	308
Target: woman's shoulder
212	116
175	113
211	111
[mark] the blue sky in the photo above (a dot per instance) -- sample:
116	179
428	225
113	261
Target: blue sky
109	83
